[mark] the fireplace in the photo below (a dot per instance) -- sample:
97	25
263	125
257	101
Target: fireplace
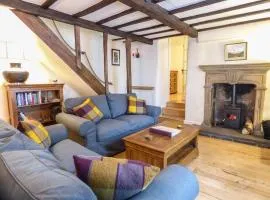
234	93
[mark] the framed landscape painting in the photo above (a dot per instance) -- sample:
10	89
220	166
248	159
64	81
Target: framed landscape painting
236	51
116	57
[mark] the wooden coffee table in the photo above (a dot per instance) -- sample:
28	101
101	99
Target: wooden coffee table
162	150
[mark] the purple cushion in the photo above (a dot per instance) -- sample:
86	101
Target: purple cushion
112	178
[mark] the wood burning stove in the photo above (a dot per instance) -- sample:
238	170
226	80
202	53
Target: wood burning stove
233	114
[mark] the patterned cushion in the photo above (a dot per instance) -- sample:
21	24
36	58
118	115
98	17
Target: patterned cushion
112	178
88	110
36	131
136	106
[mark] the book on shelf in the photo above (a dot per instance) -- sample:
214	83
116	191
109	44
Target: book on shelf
163	130
28	98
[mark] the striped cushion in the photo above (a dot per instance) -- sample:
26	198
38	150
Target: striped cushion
88	110
36	131
136	106
114	179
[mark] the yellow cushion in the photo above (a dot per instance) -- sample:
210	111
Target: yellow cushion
136	106
37	132
88	110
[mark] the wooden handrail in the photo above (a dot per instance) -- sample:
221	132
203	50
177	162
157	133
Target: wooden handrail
147	88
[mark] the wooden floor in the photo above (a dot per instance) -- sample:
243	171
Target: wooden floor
232	171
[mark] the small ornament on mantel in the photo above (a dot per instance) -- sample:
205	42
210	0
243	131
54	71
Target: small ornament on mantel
248	127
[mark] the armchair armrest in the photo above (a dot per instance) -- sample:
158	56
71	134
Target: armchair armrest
77	124
174	183
57	133
153	111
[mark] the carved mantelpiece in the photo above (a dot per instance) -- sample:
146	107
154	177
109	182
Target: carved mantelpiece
236	74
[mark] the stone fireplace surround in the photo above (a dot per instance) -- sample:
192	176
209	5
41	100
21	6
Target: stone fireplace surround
236	74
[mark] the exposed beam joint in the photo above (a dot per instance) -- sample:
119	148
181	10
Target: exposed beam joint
65	18
94	8
48	3
156	12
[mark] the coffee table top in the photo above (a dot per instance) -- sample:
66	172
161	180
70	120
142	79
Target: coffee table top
163	143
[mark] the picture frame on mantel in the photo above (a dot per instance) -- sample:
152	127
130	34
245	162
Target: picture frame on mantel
236	51
116	57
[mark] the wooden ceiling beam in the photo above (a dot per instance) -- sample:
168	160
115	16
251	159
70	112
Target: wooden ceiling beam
65	18
121	14
246	5
167	36
231	17
48	3
156	12
194	6
94	8
148	28
235	24
144	19
158	32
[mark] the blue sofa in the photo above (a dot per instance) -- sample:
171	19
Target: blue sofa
28	172
106	136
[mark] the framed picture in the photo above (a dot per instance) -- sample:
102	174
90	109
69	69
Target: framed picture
236	51
116	57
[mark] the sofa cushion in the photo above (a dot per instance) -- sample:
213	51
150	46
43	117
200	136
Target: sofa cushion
124	178
100	101
88	110
31	175
66	149
37	132
136	106
111	129
137	122
118	104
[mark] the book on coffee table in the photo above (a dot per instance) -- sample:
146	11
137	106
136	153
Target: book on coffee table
163	130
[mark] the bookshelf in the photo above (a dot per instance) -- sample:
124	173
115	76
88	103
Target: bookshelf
37	101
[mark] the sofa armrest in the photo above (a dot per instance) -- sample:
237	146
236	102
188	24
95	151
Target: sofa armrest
174	183
77	124
153	111
57	133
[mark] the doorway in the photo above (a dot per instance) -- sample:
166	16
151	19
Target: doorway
178	56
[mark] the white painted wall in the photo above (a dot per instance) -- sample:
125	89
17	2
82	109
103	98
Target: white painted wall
208	49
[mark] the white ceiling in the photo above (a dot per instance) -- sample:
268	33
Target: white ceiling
71	7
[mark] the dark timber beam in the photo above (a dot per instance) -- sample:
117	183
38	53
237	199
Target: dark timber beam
59	48
231	17
105	51
128	65
235	24
246	5
48	3
121	14
156	12
144	19
77	45
94	8
65	18
194	6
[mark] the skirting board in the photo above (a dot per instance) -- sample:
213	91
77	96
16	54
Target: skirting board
192	122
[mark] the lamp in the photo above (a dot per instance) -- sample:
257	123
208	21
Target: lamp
15	74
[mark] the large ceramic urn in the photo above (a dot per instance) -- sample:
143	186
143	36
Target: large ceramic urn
16	74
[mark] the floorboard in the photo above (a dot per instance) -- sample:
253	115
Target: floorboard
231	171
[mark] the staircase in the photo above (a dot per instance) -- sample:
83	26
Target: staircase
173	111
